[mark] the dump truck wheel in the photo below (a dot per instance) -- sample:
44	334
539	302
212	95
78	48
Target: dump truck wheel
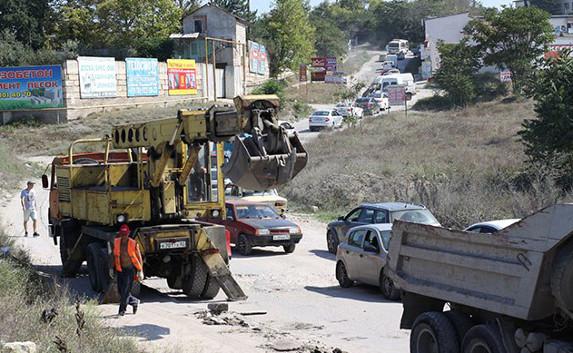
103	269
332	241
482	339
461	322
244	245
562	277
67	229
432	332
195	280
93	262
174	281
387	287
289	248
342	275
211	288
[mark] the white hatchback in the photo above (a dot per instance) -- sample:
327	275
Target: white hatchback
323	119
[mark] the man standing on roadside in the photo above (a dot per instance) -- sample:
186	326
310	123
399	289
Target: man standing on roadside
28	200
127	260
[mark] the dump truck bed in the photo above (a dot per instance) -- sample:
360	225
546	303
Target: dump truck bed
508	273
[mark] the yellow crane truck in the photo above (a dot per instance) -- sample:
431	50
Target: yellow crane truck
159	177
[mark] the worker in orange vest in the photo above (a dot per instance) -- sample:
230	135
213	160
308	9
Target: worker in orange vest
128	264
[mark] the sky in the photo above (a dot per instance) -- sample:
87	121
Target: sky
264	5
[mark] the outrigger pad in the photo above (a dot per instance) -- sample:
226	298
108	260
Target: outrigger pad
253	169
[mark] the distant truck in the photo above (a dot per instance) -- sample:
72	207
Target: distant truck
407	80
398	47
509	292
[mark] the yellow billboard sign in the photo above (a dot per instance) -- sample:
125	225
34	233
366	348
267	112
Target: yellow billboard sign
182	77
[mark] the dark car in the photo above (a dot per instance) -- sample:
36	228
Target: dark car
254	224
368	105
386	212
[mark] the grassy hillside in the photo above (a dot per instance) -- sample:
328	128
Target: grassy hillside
464	165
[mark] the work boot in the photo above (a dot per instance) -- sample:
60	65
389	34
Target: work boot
121	313
25	234
36	234
135	306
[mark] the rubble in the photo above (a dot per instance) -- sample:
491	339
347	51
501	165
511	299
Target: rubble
227	318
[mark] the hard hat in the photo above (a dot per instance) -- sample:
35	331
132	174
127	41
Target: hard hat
124	229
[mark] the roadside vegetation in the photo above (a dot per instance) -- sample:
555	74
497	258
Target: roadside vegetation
465	165
25	296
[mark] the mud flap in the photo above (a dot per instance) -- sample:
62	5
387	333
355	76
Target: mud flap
253	169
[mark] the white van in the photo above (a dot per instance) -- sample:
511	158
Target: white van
398	46
407	80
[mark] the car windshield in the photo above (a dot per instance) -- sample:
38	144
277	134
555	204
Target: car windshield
341	105
255	211
415	216
362	100
320	113
271	192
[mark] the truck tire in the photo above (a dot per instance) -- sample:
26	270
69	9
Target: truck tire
482	339
461	322
93	262
244	245
432	332
332	241
69	234
195	280
211	288
387	287
103	273
562	277
342	276
289	248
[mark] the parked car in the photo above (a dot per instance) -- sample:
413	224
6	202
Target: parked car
368	104
363	256
288	126
491	226
377	213
390	72
268	197
381	99
324	118
253	224
349	109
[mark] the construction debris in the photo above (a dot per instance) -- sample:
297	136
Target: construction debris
218	308
228	318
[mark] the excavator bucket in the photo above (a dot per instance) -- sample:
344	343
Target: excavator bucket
251	167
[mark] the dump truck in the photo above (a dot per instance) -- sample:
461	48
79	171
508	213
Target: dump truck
156	177
509	292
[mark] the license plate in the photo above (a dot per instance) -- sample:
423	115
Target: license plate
281	237
173	244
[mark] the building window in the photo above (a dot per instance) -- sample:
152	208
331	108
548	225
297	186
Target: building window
198	26
566	7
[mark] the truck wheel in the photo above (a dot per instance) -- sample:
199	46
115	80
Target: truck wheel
482	339
93	262
332	241
387	287
289	248
461	322
211	288
103	275
342	276
195	280
69	231
432	332
244	245
562	277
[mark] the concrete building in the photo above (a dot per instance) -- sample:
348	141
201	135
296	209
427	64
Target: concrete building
214	36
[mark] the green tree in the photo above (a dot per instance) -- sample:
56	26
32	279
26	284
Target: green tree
456	75
30	21
548	138
330	39
237	7
512	38
551	6
289	36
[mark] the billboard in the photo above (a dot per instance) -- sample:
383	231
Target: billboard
97	77
182	76
142	77
396	94
31	87
258	58
320	67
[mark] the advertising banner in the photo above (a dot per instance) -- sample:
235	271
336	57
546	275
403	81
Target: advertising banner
505	76
396	94
258	58
31	87
142	77
182	77
320	67
97	77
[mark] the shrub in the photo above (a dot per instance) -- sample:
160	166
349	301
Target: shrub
271	86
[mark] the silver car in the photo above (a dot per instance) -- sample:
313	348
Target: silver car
362	258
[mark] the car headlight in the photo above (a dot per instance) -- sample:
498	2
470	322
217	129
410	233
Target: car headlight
263	232
294	230
121	218
215	213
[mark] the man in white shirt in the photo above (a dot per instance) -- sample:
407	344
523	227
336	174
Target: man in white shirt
28	200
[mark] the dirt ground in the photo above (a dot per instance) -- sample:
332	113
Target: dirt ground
305	308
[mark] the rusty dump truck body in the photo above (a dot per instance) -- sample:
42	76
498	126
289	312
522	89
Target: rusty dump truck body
521	277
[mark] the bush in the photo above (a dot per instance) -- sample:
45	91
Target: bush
271	86
433	103
489	87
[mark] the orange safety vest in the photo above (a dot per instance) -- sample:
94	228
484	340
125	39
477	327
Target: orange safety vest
132	251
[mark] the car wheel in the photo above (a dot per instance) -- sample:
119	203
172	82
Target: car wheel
289	248
244	245
332	241
432	332
342	275
387	287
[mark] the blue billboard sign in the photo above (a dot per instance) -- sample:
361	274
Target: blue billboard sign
142	77
31	87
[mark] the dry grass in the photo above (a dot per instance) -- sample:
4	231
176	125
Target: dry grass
315	93
462	164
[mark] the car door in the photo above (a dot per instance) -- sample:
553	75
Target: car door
351	251
348	222
231	223
373	257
